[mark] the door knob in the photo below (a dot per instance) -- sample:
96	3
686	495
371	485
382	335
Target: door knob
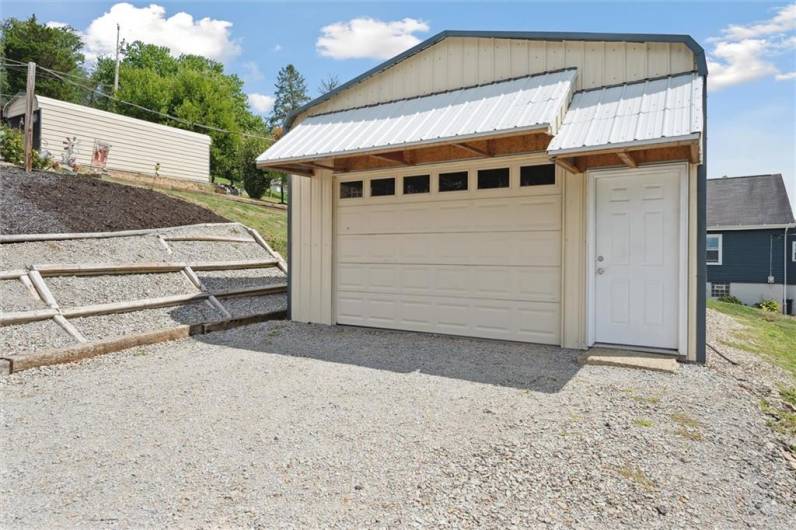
600	258
600	270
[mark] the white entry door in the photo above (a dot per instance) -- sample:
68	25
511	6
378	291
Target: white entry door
637	239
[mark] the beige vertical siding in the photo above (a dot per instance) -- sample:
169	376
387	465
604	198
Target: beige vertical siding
459	61
136	145
311	248
573	261
693	265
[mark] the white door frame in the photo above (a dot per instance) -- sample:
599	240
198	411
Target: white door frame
682	276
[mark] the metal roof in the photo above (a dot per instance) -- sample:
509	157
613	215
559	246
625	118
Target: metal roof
687	40
644	112
536	102
748	201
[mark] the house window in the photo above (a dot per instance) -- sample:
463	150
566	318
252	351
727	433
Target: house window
538	175
381	187
717	290
351	190
417	184
713	249
793	252
453	181
493	178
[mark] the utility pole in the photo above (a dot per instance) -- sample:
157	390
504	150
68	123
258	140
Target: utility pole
116	73
30	91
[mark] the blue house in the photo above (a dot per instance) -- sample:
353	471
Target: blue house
751	239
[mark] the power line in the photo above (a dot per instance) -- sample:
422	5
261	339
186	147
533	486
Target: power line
61	76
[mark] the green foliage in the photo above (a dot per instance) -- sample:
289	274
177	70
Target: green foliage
769	334
54	48
290	94
12	147
40	162
193	89
768	305
255	181
729	299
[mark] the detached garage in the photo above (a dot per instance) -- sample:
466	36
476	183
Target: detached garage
544	188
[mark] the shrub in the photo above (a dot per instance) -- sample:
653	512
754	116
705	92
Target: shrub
12	146
256	183
768	305
729	299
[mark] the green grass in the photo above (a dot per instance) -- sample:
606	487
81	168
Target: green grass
270	195
771	335
270	223
643	422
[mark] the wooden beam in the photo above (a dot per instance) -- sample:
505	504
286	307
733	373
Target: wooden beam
694	153
568	164
316	165
397	156
473	149
627	159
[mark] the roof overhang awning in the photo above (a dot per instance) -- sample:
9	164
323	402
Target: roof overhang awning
464	117
664	113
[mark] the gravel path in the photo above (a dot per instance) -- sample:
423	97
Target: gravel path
71	291
14	296
32	337
195	251
295	425
106	250
104	327
242	306
241	279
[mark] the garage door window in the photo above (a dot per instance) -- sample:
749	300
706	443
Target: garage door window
351	190
538	175
493	178
381	187
417	184
453	181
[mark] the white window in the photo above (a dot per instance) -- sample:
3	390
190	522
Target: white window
713	249
717	290
793	252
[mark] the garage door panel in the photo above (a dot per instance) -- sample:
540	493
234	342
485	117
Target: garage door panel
535	284
497	319
485	248
481	215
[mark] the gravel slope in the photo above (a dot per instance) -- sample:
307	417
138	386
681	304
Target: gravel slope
294	425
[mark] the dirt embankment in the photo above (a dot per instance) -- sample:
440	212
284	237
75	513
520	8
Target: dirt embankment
45	202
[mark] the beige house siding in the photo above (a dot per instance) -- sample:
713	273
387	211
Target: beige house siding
136	145
459	61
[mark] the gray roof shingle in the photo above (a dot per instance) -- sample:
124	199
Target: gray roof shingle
745	201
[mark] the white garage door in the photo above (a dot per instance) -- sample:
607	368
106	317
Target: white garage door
483	263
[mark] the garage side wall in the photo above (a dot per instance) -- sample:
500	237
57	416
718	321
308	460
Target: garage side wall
311	248
136	145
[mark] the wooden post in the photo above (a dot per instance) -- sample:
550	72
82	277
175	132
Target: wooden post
29	95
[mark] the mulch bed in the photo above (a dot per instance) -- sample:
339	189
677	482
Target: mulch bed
45	202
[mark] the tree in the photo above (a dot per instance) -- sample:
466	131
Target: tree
329	83
56	48
191	88
290	94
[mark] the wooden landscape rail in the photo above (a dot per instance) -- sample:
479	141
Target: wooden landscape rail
23	238
97	269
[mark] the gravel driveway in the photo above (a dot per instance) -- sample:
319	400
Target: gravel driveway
293	425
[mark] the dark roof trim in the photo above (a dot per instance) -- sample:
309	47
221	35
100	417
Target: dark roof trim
699	52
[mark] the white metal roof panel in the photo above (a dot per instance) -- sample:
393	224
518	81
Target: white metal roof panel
526	103
643	112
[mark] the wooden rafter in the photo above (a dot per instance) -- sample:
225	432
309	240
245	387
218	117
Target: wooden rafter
473	149
316	165
568	164
694	153
627	159
397	156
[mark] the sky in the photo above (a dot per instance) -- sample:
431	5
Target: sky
751	49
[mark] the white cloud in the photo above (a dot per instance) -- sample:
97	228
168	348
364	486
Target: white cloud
782	22
180	33
261	103
56	24
252	72
747	52
786	76
277	48
369	38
